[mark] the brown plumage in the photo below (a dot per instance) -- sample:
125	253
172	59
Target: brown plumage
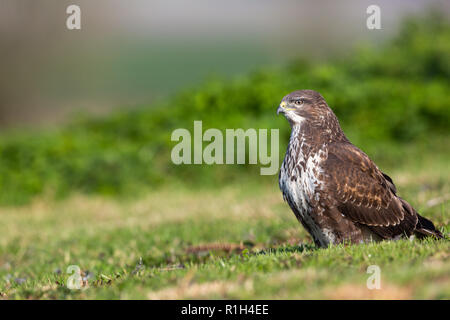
333	188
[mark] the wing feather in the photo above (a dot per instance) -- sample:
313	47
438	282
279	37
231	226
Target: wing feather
365	194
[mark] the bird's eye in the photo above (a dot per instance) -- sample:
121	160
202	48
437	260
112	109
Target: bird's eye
299	102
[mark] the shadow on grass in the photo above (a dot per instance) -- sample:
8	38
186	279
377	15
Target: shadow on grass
205	253
304	247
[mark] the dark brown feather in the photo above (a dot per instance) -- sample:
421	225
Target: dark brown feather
365	194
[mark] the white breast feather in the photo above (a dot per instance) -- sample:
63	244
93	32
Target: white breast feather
306	187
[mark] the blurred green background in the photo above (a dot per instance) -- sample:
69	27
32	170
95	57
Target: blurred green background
92	111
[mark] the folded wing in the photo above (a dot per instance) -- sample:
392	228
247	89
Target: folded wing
364	194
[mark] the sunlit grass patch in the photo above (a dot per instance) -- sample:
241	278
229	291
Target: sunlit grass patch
239	241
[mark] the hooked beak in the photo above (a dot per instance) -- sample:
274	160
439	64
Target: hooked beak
281	107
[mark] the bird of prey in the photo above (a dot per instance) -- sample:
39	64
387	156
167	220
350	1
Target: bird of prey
337	193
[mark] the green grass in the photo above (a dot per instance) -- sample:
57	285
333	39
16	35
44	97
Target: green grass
239	241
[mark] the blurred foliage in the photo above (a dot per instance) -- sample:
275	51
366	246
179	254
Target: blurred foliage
385	96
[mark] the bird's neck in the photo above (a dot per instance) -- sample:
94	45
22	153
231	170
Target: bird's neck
301	144
308	137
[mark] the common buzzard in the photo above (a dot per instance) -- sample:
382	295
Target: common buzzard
334	189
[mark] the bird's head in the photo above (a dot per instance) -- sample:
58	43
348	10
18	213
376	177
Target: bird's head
302	105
